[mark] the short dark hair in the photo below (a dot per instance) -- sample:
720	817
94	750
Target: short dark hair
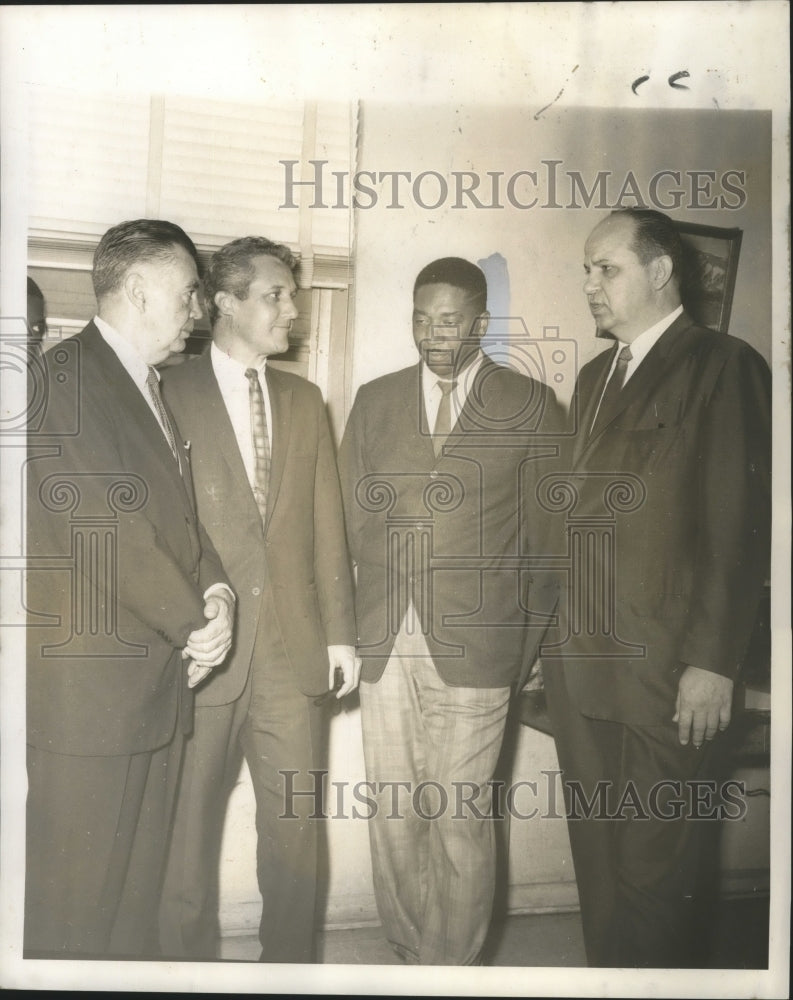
130	242
231	268
459	273
655	235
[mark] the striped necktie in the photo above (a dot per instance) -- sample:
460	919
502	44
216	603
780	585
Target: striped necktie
612	390
443	422
261	441
153	385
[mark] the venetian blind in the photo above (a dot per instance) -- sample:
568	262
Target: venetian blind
213	167
220	171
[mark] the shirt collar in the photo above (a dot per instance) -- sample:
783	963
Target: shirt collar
231	371
644	343
133	363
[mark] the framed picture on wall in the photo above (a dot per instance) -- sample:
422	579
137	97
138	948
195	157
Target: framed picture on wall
710	265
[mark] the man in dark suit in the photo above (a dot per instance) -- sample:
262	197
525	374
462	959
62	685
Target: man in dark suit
439	464
127	601
268	492
673	451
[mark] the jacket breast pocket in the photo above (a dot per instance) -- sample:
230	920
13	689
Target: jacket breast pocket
651	448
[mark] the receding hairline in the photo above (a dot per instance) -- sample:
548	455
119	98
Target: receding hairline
615	221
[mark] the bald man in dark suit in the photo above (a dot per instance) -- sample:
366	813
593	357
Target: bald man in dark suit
673	445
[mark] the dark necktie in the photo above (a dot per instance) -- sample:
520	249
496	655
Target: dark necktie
613	388
153	385
443	422
261	441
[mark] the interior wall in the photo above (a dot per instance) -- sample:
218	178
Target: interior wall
543	245
542	248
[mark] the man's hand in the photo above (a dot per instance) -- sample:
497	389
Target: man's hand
703	706
196	673
208	645
344	657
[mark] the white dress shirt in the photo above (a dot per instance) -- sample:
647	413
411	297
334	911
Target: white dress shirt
133	363
640	348
235	390
644	343
431	389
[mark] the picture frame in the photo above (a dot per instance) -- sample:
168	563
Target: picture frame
710	265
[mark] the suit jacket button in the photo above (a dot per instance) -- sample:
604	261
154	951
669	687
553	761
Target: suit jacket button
256	591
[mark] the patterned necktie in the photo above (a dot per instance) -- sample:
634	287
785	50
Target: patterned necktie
261	441
443	422
153	385
613	387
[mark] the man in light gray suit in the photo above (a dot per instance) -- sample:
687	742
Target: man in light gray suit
268	493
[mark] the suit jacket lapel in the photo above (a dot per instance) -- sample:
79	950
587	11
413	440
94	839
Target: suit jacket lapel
469	419
647	376
590	396
281	409
131	401
415	413
409	426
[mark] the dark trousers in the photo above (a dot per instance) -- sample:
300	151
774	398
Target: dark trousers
95	850
278	729
645	865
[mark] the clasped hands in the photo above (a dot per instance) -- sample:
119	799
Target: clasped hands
207	646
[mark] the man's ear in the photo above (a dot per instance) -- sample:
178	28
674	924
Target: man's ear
135	290
662	271
224	302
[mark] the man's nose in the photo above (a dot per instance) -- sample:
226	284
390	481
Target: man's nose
291	310
590	284
445	331
195	307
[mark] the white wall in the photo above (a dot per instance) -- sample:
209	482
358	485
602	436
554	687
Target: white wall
543	246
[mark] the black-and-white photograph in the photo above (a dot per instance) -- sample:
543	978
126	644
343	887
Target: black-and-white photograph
395	539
